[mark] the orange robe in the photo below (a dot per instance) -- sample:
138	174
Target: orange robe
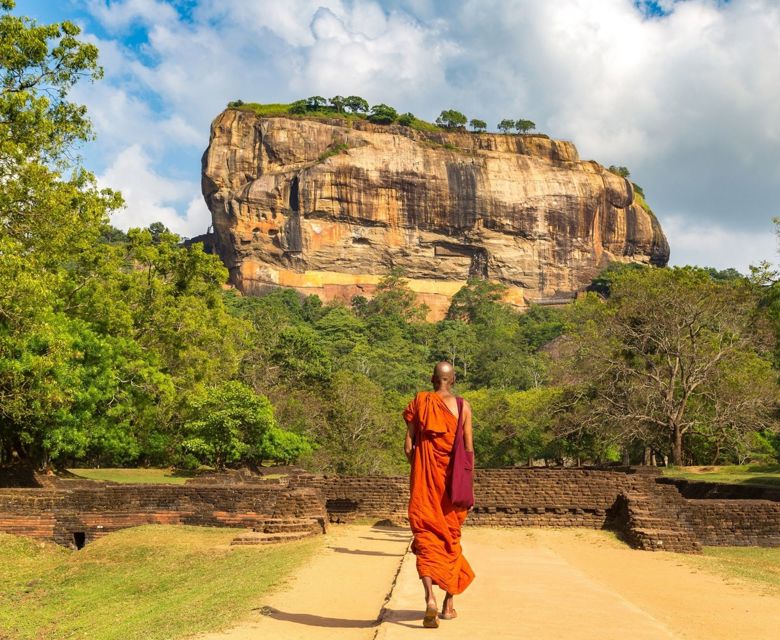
435	522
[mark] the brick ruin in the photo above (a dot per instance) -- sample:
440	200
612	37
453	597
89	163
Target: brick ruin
649	512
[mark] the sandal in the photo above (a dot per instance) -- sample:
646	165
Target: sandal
431	619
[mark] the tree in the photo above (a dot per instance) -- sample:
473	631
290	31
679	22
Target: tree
505	126
315	103
672	353
230	424
456	341
524	126
355	437
52	216
338	102
406	119
356	104
393	298
299	107
451	119
623	172
472	301
478	125
382	114
512	427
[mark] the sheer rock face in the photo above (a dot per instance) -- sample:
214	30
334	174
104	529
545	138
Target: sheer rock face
329	208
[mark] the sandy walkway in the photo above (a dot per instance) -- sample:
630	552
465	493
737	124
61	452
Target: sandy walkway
572	584
339	594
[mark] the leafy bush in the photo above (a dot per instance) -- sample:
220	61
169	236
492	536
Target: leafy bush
451	119
382	114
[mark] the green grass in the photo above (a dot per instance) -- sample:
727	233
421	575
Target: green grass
333	151
758	565
758	474
272	110
148	476
151	582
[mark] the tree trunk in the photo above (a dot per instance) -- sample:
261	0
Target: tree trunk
677	446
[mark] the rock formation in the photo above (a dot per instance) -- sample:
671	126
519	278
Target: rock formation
330	206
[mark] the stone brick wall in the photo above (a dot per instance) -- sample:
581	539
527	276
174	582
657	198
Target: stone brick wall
504	497
58	514
735	522
698	490
651	512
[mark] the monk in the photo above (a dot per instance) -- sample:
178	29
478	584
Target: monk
432	420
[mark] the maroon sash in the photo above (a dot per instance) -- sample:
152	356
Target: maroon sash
462	472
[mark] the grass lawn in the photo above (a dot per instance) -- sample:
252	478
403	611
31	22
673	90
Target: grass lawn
759	565
761	474
149	476
151	582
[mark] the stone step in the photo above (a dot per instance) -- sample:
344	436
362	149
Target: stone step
288	526
255	538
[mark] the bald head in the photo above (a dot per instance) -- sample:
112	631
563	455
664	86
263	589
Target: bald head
443	375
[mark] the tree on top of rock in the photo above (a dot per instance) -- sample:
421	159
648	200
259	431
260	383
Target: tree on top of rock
478	125
524	126
315	102
506	125
356	104
621	171
338	103
451	119
382	114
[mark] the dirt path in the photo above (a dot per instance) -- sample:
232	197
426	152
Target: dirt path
576	584
339	594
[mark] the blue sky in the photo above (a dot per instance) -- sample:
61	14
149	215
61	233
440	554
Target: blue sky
683	92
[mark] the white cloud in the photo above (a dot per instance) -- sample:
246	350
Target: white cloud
715	246
120	15
150	197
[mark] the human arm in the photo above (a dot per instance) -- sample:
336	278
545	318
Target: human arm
468	434
409	441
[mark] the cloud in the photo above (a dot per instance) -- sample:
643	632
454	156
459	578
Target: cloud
150	197
711	245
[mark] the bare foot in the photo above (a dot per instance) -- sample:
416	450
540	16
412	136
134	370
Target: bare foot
448	611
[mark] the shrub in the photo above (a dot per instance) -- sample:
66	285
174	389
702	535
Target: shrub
382	114
406	119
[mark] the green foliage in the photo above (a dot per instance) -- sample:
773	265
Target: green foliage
314	103
382	114
338	103
356	104
505	126
451	119
230	424
334	150
621	171
478	125
298	107
406	119
524	126
511	427
674	360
